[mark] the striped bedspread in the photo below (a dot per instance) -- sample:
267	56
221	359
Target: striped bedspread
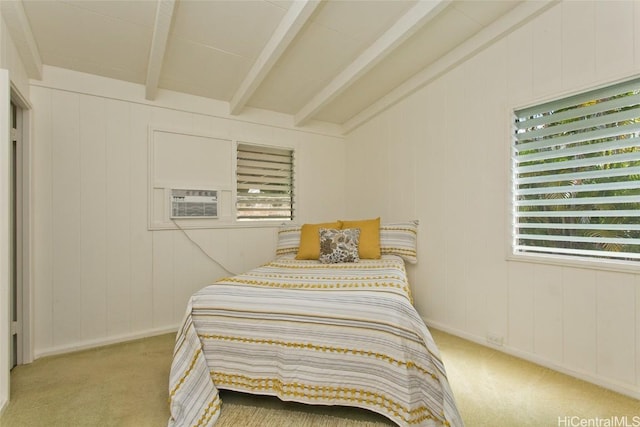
332	334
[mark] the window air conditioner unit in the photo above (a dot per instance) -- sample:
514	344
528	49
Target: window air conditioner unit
194	203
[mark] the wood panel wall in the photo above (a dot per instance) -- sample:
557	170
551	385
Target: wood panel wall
442	156
100	275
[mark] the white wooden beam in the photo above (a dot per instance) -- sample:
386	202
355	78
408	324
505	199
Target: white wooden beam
404	28
164	16
22	36
291	24
499	28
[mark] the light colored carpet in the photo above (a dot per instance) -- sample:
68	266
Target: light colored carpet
126	385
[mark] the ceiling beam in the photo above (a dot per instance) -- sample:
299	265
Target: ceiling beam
404	28
290	25
508	22
161	28
22	36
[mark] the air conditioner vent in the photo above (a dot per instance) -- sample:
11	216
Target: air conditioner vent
194	203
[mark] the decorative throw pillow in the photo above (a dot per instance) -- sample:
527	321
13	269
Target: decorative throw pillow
288	240
369	236
400	238
339	245
310	240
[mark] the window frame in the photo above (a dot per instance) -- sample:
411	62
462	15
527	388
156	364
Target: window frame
513	254
265	222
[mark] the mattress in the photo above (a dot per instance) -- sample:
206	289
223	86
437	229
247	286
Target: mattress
330	334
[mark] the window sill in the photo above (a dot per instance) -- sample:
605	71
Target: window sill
632	267
202	224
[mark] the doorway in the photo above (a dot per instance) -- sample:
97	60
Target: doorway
19	280
15	222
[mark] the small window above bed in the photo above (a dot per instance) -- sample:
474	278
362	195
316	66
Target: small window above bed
264	181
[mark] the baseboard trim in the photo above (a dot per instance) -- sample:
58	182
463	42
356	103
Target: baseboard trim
607	383
101	342
3	407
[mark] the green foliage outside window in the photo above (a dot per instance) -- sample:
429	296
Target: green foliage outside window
577	177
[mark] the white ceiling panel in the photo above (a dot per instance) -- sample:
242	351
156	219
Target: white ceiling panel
202	70
238	27
283	4
365	20
81	39
136	12
484	12
214	47
316	56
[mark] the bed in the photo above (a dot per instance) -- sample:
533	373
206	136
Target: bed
315	333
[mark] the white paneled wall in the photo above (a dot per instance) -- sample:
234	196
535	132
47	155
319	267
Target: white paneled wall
447	147
99	274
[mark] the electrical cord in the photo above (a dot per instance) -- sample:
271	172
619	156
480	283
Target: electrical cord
218	263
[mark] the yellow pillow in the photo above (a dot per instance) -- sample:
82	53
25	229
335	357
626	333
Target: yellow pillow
369	246
310	239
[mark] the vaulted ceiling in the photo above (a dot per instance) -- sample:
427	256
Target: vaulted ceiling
329	60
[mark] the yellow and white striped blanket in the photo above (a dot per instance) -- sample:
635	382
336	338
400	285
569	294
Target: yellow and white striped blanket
333	334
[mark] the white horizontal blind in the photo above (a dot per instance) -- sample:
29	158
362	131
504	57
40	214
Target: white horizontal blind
576	175
264	183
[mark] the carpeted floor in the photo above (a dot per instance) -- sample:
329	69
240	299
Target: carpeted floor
126	385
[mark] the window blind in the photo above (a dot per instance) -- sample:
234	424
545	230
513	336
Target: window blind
576	175
264	183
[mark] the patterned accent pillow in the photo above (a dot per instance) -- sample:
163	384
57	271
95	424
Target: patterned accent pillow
400	238
288	240
339	245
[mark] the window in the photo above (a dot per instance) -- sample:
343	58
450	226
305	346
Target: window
264	183
576	175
